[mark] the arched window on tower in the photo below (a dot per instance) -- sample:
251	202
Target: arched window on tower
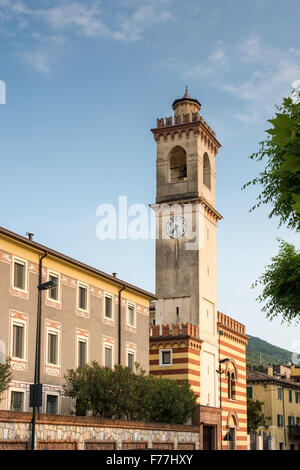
178	166
229	385
206	171
232	387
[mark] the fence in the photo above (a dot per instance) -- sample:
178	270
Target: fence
55	432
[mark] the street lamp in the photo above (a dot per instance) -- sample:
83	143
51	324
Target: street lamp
36	388
220	372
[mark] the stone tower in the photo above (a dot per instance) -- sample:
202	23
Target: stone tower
186	220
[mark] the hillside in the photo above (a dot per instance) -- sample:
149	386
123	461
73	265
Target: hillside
262	352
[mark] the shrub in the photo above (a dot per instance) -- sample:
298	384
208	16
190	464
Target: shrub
120	393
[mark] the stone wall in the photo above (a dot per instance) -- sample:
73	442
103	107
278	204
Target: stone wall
76	432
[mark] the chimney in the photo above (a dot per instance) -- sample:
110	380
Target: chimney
270	371
114	274
29	235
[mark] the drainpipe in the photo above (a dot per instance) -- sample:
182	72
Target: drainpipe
283	408
37	368
119	324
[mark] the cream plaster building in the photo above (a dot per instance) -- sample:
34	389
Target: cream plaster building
90	315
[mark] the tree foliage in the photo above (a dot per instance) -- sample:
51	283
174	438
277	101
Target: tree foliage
281	285
255	416
167	401
280	178
5	376
120	393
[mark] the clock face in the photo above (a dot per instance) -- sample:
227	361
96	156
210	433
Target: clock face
176	227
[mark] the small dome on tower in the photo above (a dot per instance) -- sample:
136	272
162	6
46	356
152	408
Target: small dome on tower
186	109
186	98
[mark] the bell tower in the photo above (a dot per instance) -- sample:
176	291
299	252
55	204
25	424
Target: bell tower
186	238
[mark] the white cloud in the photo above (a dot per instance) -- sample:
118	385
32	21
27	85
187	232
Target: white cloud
131	27
85	19
211	66
255	72
54	24
40	60
272	73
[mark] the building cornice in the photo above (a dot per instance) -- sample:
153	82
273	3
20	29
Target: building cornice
268	379
55	254
187	200
200	128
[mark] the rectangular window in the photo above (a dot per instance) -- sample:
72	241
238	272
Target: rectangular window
279	393
52	404
52	348
290	396
291	420
130	361
131	315
82	353
19	276
108	307
281	447
82	297
18	341
250	392
166	357
298	420
17	401
297	397
108	356
280	421
53	292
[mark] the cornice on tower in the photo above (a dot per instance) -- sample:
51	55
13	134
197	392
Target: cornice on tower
186	120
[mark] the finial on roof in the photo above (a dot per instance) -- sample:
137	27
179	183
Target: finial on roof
185	98
186	92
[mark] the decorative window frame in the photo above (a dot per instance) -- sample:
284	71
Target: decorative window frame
83	336
18	318
53	327
279	421
15	389
161	356
128	326
231	366
108	342
81	311
48	392
131	348
107	320
49	301
24	293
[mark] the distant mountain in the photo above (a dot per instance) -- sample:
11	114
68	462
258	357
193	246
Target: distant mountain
264	353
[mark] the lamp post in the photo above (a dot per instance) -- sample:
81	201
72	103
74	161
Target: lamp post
36	390
220	372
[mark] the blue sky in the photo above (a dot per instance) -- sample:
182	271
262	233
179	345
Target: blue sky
85	83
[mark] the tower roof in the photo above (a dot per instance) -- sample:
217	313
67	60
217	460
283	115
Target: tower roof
186	97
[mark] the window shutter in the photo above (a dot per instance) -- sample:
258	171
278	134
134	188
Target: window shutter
108	307
53	292
108	357
82	297
19	275
18	341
